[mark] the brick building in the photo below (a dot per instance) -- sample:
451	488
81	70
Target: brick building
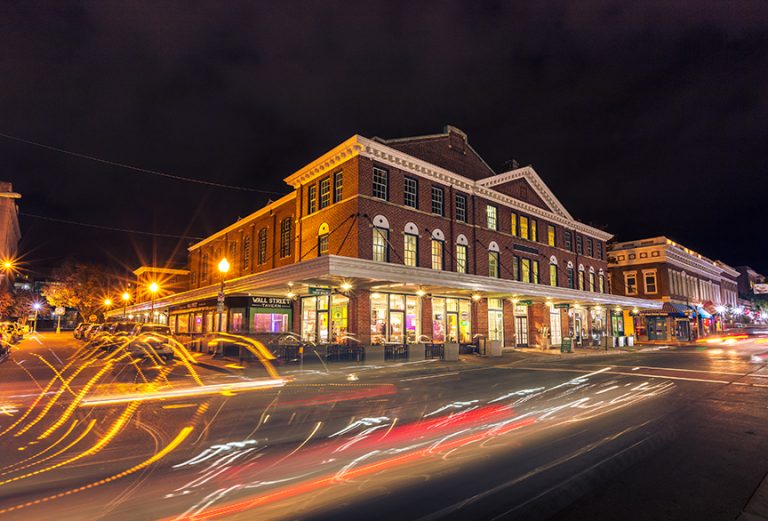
399	241
695	291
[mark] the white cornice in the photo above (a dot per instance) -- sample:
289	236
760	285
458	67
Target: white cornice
533	178
377	151
352	269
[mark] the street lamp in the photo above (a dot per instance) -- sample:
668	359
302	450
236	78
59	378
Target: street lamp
223	269
36	306
126	297
153	289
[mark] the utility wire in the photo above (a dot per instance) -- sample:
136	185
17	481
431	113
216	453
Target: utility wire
136	168
110	228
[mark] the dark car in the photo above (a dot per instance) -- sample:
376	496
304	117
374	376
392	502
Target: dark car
119	333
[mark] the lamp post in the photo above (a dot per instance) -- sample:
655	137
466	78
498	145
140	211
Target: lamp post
223	270
36	306
126	297
153	289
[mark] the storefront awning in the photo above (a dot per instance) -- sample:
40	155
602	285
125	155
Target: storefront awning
676	310
701	312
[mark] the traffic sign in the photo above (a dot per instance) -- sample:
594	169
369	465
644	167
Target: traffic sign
59	310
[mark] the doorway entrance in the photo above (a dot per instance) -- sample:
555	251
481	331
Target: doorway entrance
521	331
556	328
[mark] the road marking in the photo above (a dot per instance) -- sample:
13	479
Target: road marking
622	373
426	377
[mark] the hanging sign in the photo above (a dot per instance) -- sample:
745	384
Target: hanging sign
319	291
562	306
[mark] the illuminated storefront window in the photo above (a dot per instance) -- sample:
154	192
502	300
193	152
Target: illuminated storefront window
496	319
324	318
394	318
451	320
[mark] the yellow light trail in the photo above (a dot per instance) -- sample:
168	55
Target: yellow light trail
72	406
55	372
53	400
58	452
180	437
184	393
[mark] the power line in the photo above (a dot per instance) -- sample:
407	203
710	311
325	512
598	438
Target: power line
136	168
110	228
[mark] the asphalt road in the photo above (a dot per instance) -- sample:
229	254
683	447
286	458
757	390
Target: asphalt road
677	433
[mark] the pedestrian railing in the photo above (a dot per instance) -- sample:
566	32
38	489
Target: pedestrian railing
434	351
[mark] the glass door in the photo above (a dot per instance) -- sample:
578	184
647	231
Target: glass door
453	327
521	331
396	329
556	328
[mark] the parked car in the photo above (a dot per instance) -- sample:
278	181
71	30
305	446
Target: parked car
92	331
148	340
80	330
119	333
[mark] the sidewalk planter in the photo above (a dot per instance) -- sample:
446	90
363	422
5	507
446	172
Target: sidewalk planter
494	348
374	354
451	352
416	352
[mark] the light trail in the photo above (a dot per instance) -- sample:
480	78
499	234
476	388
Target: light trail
180	437
205	390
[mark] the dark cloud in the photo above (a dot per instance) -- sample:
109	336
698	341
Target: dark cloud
648	117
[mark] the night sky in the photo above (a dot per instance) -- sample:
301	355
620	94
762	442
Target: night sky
648	118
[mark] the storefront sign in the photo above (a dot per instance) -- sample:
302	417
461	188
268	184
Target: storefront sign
319	291
562	306
760	289
524	303
271	302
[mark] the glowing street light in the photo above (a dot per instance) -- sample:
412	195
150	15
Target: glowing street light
223	269
36	306
153	289
126	297
107	303
224	266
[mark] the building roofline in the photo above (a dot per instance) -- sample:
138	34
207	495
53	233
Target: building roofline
155	269
244	220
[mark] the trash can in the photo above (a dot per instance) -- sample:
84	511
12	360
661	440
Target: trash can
630	341
566	345
621	341
494	348
482	346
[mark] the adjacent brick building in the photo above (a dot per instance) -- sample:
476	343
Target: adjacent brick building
695	291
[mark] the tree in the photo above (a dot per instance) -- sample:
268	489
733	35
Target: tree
23	305
6	303
78	286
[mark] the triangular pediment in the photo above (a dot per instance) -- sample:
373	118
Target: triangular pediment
525	185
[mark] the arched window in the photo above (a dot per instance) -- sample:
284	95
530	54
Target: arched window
380	251
570	275
493	260
601	281
322	240
411	245
581	277
438	250
461	253
592	279
553	271
285	237
204	267
246	252
262	247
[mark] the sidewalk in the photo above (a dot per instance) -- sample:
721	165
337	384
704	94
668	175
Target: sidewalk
757	506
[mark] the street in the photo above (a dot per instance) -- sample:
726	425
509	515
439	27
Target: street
658	433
